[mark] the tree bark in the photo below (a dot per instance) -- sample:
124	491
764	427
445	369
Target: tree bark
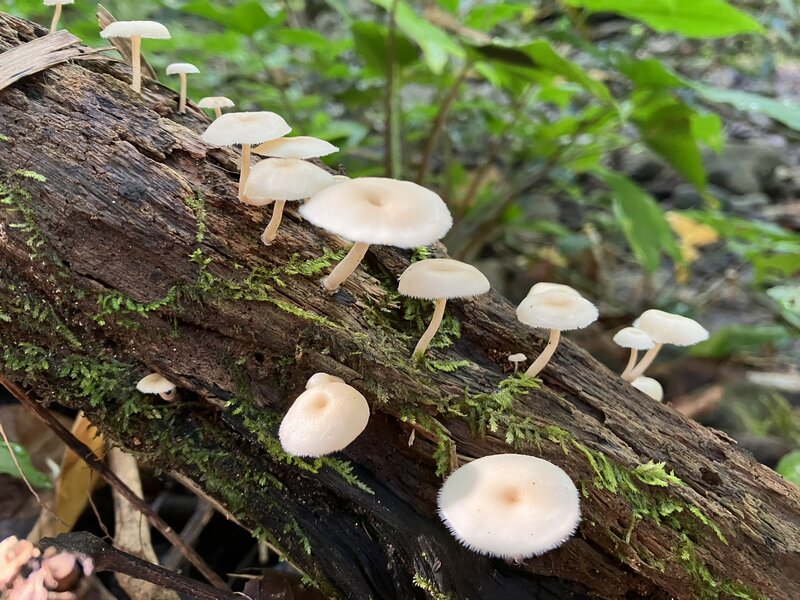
133	256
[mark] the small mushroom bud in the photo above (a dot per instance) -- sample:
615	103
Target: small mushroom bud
217	103
650	387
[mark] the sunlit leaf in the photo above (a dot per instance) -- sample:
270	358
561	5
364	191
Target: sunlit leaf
735	339
36	478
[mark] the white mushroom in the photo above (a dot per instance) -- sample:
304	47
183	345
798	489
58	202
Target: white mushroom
182	69
557	310
665	328
283	180
57	12
245	128
136	30
510	505
217	103
376	210
517	358
323	419
440	279
157	384
635	339
321	379
649	386
301	146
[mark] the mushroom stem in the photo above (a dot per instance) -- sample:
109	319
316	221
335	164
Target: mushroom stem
631	363
426	338
542	360
136	63
182	101
646	361
343	270
244	170
516	366
56	18
272	227
217	112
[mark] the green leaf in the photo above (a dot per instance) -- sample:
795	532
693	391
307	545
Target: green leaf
789	467
541	56
372	42
692	18
707	128
783	111
788	299
36	478
648	73
437	46
736	339
642	221
244	17
666	125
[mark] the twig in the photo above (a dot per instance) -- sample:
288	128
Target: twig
108	558
22	475
441	118
115	482
391	139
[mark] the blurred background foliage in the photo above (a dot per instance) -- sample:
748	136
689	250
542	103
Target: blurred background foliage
644	151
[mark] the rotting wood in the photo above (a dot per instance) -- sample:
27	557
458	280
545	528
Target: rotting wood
136	250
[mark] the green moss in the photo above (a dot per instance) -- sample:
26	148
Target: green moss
15	201
197	204
446	366
430	588
313	266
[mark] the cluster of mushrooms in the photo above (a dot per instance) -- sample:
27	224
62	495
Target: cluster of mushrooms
506	505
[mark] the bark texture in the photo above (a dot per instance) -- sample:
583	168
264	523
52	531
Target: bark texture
133	256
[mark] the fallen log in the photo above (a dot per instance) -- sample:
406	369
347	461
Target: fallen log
123	251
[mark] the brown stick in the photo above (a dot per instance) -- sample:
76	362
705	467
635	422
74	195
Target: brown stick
115	482
108	558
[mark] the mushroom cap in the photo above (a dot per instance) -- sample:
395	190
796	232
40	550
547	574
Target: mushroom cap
556	309
435	278
323	419
518	357
377	210
284	179
321	379
245	128
54	2
215	102
632	337
301	146
546	286
667	328
145	29
155	384
649	386
177	68
510	505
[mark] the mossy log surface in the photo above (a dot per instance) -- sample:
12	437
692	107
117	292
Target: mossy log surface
123	251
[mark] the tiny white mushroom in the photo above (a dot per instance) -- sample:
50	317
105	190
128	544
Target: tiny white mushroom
301	146
557	310
635	339
665	328
510	505
650	387
321	379
323	419
217	103
182	69
245	128
376	210
517	358
157	384
57	12
283	180
440	279
136	30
